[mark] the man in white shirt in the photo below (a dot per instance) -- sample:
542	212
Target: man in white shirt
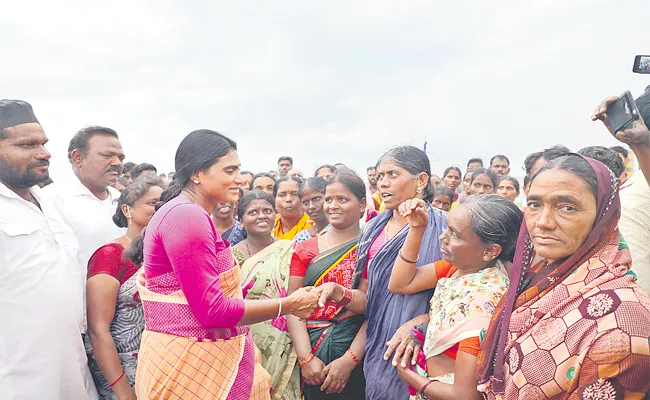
635	225
635	192
88	200
41	350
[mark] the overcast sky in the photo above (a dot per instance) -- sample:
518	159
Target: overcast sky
324	81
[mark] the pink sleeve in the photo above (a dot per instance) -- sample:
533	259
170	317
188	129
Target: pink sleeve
193	247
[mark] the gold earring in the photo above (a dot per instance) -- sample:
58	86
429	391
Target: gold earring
486	258
418	190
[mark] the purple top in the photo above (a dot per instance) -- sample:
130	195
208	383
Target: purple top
181	239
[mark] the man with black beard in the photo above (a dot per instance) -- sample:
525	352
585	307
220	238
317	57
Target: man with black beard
41	350
88	200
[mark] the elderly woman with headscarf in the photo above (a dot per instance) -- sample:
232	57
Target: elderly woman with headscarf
574	323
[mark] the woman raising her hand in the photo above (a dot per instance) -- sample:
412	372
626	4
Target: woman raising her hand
469	281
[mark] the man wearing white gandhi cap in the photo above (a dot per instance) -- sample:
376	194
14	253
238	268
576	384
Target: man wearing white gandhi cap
41	348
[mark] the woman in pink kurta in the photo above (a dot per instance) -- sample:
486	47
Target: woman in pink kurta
197	343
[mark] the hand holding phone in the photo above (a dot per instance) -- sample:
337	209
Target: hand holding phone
626	126
622	112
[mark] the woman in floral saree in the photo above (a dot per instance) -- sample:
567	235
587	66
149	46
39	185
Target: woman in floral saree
264	263
330	344
469	282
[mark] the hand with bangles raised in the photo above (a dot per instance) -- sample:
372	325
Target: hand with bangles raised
416	213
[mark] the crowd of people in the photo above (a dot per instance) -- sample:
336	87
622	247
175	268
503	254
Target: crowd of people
211	282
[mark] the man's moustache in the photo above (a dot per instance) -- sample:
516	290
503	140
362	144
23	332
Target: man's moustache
40	164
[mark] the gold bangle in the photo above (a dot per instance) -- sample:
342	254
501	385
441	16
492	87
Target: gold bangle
342	295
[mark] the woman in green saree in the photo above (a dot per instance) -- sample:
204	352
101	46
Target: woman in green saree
330	345
264	263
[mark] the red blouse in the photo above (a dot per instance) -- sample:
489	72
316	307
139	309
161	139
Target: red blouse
305	252
342	274
109	260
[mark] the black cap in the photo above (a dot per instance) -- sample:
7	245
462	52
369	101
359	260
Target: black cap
15	112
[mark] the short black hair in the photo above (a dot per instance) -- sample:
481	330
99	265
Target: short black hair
128	166
555	152
501	156
247	173
621	150
286	158
82	137
609	157
371	167
138	169
547	154
474	160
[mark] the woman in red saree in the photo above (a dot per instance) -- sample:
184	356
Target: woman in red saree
330	344
115	316
574	323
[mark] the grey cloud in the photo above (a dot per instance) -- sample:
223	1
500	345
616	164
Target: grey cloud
325	81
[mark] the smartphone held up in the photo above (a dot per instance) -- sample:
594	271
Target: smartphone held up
641	65
623	112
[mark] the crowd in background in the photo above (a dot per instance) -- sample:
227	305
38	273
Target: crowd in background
215	282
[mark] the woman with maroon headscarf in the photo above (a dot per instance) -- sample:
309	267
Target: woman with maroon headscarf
574	323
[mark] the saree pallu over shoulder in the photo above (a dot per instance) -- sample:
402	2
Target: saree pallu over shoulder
265	275
386	312
577	327
326	261
180	360
330	338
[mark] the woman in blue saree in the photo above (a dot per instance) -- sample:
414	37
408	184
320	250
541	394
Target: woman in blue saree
403	173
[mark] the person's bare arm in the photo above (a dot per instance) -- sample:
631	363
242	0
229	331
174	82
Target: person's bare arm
637	136
301	303
463	388
338	371
101	299
312	372
405	277
334	291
